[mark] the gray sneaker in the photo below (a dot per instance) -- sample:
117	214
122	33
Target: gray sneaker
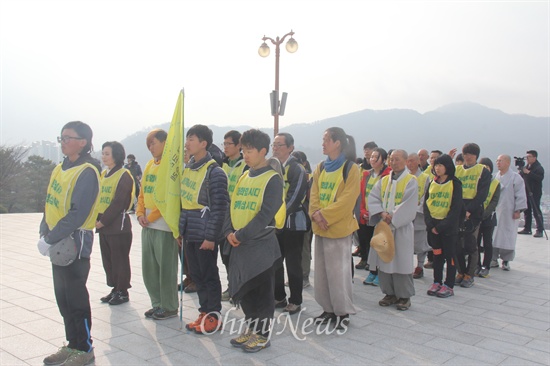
505	265
225	295
484	273
467	282
59	357
306	283
80	358
292	308
494	263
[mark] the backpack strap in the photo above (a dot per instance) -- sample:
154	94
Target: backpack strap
345	171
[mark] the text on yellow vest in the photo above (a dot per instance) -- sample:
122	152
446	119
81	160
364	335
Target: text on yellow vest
191	183
233	174
439	200
328	185
469	178
399	189
108	188
149	181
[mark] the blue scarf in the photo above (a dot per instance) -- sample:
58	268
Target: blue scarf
334	165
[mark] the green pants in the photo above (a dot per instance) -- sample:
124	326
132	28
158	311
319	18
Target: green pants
159	263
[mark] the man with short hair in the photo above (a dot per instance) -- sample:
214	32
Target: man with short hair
423	158
512	201
533	174
367	151
291	237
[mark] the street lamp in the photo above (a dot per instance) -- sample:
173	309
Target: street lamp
277	108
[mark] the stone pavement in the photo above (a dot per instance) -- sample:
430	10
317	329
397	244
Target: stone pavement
502	320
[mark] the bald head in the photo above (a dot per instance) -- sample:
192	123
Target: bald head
398	159
412	162
423	156
503	163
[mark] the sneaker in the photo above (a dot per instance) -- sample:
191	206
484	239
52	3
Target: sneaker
59	357
208	325
484	273
225	295
361	265
524	232
191	326
162	314
108	298
376	281
429	265
370	279
281	304
537	234
418	272
306	283
434	288
388	300
494	263
256	343
467	282
241	339
403	304
505	265
119	298
459	278
342	322
80	358
324	318
445	291
149	313
476	272
190	288
292	308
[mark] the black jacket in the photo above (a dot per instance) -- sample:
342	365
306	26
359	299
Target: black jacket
533	180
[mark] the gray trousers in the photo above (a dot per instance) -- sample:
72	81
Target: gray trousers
333	286
399	285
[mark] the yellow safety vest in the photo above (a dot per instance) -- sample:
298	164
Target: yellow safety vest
108	188
422	178
191	183
428	172
233	174
60	192
247	198
492	190
399	190
469	178
149	181
328	185
439	200
371	181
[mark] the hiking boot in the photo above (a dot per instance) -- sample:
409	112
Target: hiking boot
429	265
190	288
208	325
119	298
370	279
524	232
537	234
445	291
191	326
108	298
468	281
361	265
292	308
59	357
434	288
324	318
256	343
459	278
162	314
225	295
418	272
281	304
484	273
342	322
494	263
403	304
376	281
306	283
505	265
80	358
388	300
241	339
149	313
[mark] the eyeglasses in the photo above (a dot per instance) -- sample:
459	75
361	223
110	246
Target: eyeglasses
66	139
224	144
277	145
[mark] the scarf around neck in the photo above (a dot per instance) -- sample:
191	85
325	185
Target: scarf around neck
333	165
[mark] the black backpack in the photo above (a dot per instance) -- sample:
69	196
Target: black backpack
217	154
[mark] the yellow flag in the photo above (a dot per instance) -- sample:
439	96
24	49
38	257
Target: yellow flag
167	190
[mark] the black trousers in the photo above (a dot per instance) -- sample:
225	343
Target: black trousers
528	214
467	247
365	234
73	302
258	305
291	244
203	269
486	234
115	254
444	250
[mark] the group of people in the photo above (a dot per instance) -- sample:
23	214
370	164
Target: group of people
260	215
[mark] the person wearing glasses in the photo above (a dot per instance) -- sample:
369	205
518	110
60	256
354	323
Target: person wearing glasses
70	210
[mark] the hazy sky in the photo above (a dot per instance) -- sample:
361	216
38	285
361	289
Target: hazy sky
119	65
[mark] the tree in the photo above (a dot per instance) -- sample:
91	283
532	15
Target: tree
35	180
10	175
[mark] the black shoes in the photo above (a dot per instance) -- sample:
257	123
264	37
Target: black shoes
325	318
524	232
119	298
108	297
537	234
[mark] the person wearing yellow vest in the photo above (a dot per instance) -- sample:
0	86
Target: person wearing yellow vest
476	181
249	228
443	212
331	209
421	246
488	222
70	204
368	148
204	201
159	249
113	223
394	199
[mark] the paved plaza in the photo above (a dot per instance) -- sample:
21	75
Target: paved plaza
501	320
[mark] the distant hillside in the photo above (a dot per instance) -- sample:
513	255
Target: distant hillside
444	128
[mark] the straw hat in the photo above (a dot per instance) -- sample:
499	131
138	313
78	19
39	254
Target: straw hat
383	242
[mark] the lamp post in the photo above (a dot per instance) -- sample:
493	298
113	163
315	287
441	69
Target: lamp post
291	46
